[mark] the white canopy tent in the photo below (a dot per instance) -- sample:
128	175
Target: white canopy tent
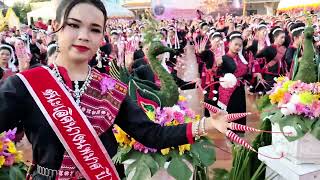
48	12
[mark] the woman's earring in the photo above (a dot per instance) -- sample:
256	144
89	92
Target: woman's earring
58	49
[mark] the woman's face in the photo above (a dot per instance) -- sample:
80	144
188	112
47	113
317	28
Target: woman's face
247	33
19	44
216	42
280	39
235	45
4	57
263	33
82	34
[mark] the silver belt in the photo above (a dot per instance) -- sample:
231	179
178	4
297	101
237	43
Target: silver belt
47	172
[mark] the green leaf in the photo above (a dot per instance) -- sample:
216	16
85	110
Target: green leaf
142	172
150	162
268	111
315	129
17	171
297	122
276	116
179	170
121	154
160	159
221	174
263	102
204	150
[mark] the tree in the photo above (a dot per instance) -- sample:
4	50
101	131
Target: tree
21	10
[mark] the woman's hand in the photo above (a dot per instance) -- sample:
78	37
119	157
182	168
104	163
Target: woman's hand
217	121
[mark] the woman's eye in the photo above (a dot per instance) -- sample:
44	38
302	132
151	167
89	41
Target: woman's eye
73	25
96	30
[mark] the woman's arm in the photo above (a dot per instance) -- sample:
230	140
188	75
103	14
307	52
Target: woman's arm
11	104
136	123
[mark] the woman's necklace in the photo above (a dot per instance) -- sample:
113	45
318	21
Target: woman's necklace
77	92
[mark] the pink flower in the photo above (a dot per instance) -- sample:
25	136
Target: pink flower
191	114
300	108
107	84
286	98
9	160
140	147
179	117
315	108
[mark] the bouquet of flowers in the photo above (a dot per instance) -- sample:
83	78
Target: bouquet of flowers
11	162
295	106
297	98
148	161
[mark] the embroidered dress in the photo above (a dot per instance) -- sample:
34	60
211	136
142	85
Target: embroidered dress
19	109
233	99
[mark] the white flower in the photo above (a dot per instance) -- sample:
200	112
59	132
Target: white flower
289	131
295	99
285	111
291	108
228	81
176	108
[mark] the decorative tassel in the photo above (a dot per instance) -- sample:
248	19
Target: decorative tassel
229	117
211	108
235	138
239	127
236	116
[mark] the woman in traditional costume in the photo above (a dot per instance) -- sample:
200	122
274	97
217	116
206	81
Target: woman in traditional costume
261	40
212	58
233	100
296	48
68	110
6	56
273	64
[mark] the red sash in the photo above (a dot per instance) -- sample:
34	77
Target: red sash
70	125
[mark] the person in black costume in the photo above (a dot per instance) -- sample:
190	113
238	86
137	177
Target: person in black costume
296	31
72	64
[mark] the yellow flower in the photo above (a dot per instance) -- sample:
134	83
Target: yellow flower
286	85
184	148
18	157
133	141
151	115
277	96
2	160
182	98
11	147
165	151
306	98
1	146
121	136
281	78
175	123
198	117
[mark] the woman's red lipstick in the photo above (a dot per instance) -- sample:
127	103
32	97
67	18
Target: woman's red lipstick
81	48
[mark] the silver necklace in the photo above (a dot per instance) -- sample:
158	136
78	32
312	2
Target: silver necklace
77	92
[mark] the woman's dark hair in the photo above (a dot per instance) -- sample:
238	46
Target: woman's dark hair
262	25
66	6
297	29
275	32
6	48
51	51
234	35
